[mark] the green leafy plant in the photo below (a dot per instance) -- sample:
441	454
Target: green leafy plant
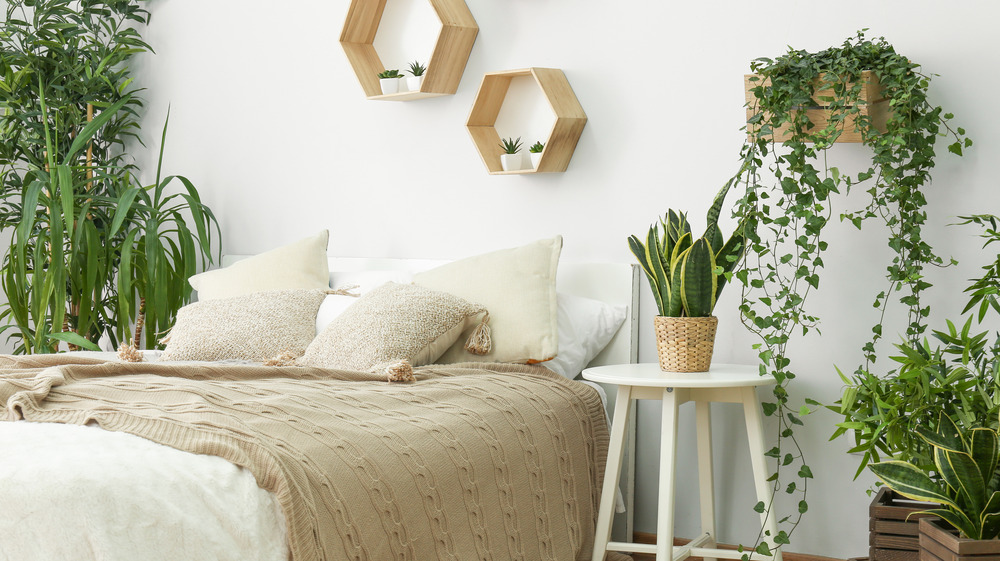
416	69
959	378
510	145
687	274
537	147
968	486
68	187
787	204
390	74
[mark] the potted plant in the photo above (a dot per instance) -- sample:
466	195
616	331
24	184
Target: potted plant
510	160
963	480
417	76
389	80
535	152
954	383
686	276
789	189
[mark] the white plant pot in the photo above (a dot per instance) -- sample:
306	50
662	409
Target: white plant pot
510	162
389	85
413	83
535	158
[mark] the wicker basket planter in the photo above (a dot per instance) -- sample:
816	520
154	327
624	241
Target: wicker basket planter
893	528
939	542
685	344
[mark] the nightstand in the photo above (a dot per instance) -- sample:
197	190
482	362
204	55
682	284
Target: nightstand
727	383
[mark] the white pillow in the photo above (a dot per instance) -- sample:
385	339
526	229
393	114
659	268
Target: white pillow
299	265
518	287
586	326
364	281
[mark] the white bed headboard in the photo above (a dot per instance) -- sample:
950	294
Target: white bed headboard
614	283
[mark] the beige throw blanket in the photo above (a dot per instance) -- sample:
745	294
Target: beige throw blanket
484	462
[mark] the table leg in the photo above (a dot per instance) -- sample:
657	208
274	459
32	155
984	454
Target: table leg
703	417
668	455
616	449
755	435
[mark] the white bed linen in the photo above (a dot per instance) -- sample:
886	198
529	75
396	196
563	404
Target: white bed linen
84	493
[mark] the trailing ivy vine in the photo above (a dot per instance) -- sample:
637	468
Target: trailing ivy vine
789	198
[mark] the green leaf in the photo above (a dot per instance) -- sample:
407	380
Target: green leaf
760	507
93	127
698	279
984	449
908	480
75	339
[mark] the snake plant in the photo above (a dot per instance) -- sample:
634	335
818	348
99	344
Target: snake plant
688	274
969	488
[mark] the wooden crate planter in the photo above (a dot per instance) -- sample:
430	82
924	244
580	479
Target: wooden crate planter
939	542
875	105
893	533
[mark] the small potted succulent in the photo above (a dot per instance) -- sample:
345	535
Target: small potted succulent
535	152
687	275
413	82
389	80
510	160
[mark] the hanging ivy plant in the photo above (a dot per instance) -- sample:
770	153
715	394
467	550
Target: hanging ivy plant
789	198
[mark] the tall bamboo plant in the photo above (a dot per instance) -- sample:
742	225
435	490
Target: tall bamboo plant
88	242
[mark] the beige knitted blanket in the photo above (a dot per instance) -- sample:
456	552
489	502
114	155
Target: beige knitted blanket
488	462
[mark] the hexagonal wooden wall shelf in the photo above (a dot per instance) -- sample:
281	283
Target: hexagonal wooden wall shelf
569	122
446	65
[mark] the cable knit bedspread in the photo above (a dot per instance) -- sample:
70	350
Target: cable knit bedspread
488	462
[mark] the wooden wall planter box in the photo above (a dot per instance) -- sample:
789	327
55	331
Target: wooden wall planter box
894	535
939	542
876	106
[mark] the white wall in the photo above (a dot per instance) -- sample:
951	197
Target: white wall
270	122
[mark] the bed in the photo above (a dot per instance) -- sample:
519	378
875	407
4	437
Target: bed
468	490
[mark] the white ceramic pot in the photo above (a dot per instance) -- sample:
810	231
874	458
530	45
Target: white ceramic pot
510	162
413	83
535	158
389	85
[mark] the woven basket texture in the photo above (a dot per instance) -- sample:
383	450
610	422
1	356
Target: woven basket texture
685	344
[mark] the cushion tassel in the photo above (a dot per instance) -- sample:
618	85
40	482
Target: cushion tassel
344	291
401	371
480	342
284	359
129	353
164	337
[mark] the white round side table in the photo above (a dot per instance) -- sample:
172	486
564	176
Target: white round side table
728	383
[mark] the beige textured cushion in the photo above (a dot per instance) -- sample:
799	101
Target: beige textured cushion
518	287
255	327
302	264
392	322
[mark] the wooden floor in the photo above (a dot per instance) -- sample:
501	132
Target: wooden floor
643	537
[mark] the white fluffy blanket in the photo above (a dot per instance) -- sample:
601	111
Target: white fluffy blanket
84	493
